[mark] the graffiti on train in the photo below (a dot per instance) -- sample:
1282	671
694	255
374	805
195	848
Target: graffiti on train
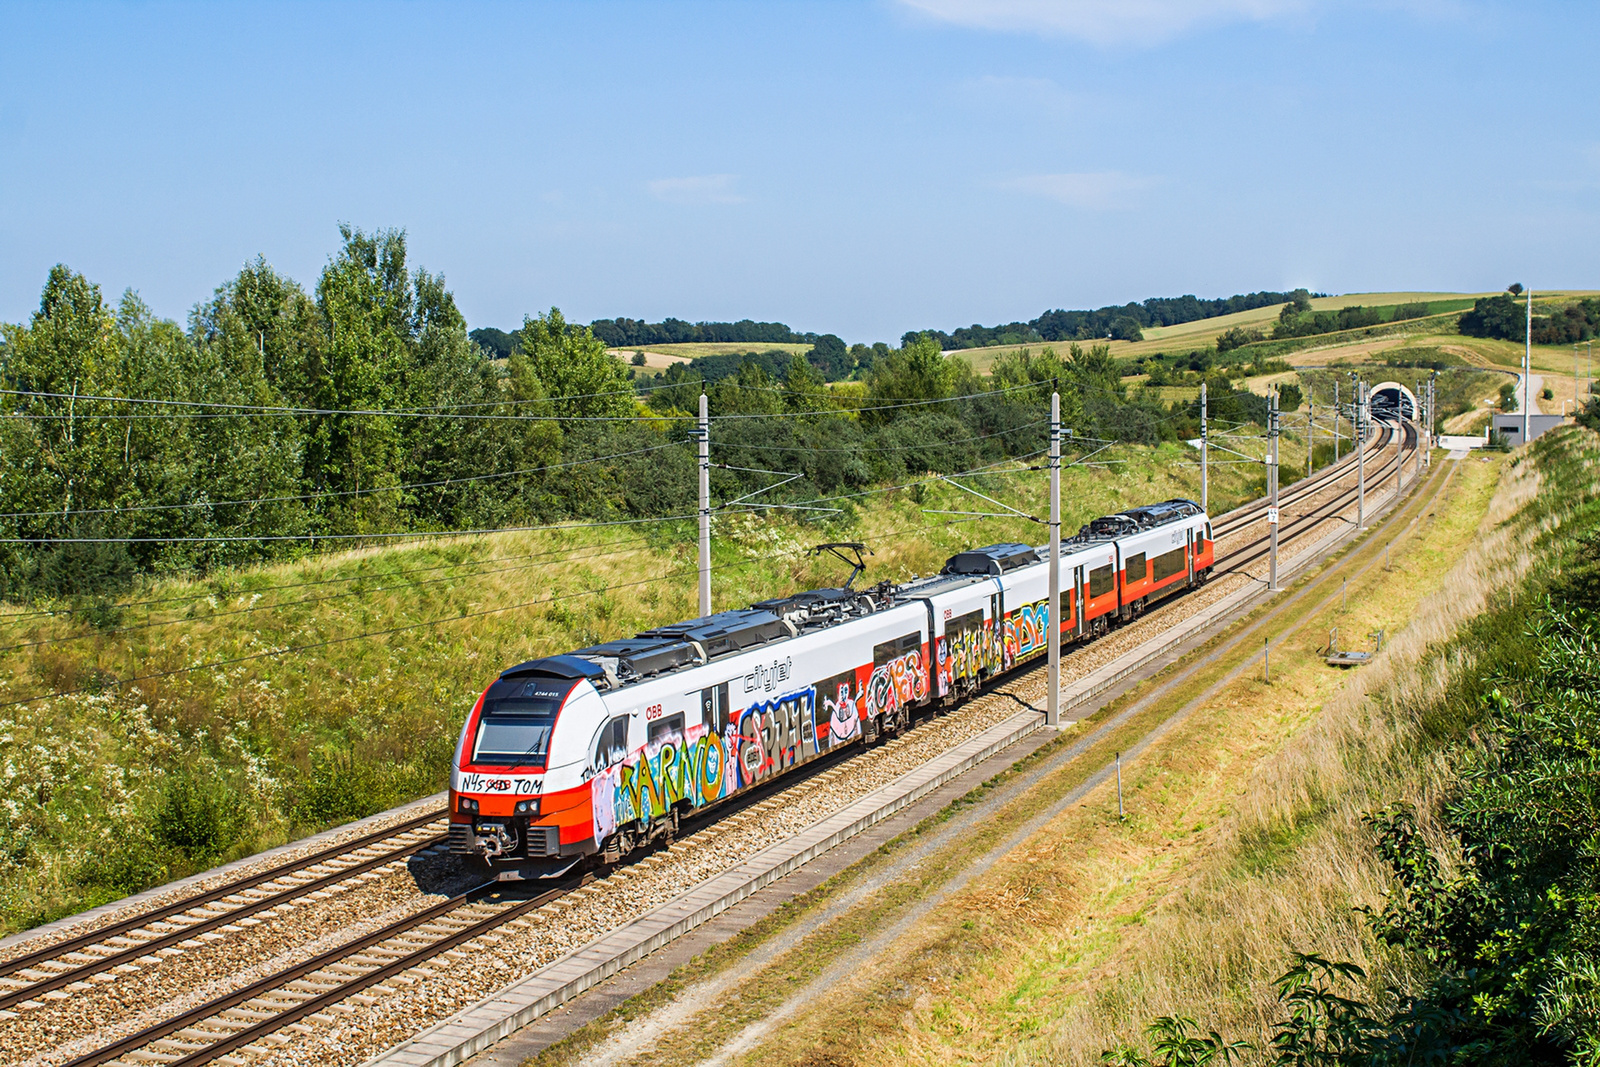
699	765
1025	631
967	654
897	682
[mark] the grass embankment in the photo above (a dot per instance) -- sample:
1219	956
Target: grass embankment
151	769
1242	841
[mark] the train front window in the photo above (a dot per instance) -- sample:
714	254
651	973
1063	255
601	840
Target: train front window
514	726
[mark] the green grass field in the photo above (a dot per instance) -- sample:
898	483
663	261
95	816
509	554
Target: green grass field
1203	333
151	769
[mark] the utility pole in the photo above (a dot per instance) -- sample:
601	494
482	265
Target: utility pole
1336	420
1052	713
1574	383
1311	428
1272	489
1203	472
703	446
1527	368
1360	435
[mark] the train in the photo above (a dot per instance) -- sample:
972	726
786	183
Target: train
586	757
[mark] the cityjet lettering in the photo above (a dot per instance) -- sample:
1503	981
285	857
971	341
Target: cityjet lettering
768	678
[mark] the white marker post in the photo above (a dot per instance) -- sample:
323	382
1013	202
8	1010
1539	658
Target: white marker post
703	446
1052	713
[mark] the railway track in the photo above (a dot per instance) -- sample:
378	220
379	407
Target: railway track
248	1017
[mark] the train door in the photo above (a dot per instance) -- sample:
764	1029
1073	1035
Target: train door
714	708
1078	603
1190	554
998	633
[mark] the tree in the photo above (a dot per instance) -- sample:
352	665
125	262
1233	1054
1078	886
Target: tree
1493	316
917	371
582	379
1290	397
829	355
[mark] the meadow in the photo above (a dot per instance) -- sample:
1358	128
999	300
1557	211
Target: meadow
205	719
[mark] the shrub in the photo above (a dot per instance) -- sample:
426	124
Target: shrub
199	815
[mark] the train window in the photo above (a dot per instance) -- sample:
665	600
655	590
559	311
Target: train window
1134	566
1101	581
514	725
612	744
1169	563
661	729
1208	532
890	650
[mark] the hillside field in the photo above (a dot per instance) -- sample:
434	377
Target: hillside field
152	768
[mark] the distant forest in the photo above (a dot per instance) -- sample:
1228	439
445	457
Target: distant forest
1122	322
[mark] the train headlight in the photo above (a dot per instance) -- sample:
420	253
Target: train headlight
527	807
466	805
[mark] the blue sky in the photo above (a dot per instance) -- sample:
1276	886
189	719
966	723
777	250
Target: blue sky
860	168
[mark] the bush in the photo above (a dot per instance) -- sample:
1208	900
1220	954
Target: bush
1508	397
1546	394
199	815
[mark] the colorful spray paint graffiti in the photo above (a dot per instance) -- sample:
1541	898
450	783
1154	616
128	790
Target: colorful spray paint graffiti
1026	630
899	682
967	653
700	765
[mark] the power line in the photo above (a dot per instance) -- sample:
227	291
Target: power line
155	623
329	494
313	645
418	534
322	581
266	409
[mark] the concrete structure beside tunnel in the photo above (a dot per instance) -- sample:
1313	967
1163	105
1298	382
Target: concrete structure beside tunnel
1394	398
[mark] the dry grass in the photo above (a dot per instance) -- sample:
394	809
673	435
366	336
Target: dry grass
1091	925
1237	847
1290	863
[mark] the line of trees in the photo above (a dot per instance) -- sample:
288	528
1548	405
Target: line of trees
397	421
1119	322
1503	317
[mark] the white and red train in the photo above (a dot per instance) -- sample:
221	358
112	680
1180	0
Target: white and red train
597	752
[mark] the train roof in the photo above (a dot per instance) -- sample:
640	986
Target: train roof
993	560
1134	520
693	642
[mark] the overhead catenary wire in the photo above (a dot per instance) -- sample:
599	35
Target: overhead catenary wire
270	409
330	494
384	575
252	608
403	628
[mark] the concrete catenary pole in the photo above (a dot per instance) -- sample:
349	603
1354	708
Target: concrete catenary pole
1527	368
1272	492
703	446
1052	714
1336	420
1311	428
1360	436
1204	473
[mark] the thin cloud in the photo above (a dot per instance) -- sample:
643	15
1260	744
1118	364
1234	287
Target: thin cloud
701	189
1103	22
1102	190
1040	93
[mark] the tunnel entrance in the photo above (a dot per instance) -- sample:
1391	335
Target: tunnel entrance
1391	400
